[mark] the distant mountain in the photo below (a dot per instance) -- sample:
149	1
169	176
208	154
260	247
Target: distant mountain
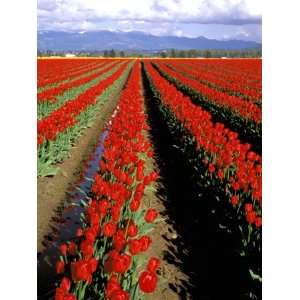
134	40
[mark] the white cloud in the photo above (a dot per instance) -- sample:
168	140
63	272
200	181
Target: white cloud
182	11
158	17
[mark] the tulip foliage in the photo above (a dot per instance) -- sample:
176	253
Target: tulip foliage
105	260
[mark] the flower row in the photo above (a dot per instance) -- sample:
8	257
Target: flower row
104	260
245	109
220	80
50	71
226	158
65	116
52	93
247	71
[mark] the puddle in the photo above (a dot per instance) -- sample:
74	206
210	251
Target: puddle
64	227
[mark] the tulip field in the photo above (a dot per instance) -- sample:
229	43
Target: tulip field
180	146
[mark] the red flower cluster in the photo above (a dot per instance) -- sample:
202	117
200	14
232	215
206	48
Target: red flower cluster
114	291
52	71
235	76
148	278
151	215
223	150
251	216
245	109
116	262
82	270
51	93
62	292
65	116
137	246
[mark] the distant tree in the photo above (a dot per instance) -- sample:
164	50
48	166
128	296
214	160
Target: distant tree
191	53
122	54
112	53
207	53
173	53
163	54
182	53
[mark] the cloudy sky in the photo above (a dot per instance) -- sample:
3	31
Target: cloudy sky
220	19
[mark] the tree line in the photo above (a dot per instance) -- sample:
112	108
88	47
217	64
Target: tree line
193	53
172	53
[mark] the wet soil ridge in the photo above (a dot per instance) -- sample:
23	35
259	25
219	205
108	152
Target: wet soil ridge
207	249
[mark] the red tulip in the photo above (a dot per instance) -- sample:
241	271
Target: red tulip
148	282
72	248
70	297
90	235
109	229
153	264
112	286
119	295
60	267
79	232
92	264
220	174
145	242
132	230
80	270
60	294
251	217
211	168
248	207
63	249
134	205
87	248
234	200
121	263
65	284
119	240
103	207
258	222
150	215
134	247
